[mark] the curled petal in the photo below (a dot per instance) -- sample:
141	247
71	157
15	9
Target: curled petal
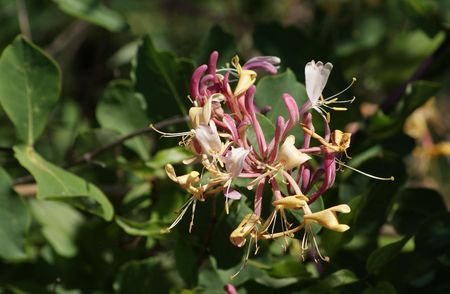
269	64
208	138
232	194
212	64
290	156
246	78
327	218
245	228
195	81
234	161
316	77
291	202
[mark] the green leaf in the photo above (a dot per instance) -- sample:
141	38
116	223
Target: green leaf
169	155
289	267
186	261
336	279
123	110
30	83
164	81
59	225
414	206
55	183
14	221
433	238
382	256
382	125
331	240
382	287
93	11
219	40
135	228
141	276
271	88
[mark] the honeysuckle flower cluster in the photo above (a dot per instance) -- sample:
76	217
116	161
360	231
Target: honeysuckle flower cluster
222	116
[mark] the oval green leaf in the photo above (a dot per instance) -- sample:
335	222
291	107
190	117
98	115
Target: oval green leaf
30	84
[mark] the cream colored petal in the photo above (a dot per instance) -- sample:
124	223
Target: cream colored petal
247	225
327	218
170	171
234	161
290	156
291	202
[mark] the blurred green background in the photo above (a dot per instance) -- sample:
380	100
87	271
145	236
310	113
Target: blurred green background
112	55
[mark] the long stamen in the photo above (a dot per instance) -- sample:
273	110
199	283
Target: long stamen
184	208
244	262
336	100
391	178
191	224
171	135
348	87
324	258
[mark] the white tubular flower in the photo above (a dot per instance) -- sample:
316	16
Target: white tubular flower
290	157
316	77
208	138
234	161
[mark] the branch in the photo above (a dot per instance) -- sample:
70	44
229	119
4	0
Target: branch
390	102
24	22
89	156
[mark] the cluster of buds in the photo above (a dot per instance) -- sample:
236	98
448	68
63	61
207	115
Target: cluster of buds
223	115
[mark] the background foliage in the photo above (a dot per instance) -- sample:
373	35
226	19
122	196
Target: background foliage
83	195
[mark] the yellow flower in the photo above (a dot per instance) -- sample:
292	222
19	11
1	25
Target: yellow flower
246	77
186	181
291	202
327	218
239	236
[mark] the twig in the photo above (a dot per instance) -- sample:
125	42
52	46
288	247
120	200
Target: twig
390	102
24	22
89	156
67	37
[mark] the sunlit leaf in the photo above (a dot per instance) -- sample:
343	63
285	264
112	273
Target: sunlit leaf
59	225
169	155
93	11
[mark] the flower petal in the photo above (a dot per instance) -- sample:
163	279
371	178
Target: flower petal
232	194
316	77
234	161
